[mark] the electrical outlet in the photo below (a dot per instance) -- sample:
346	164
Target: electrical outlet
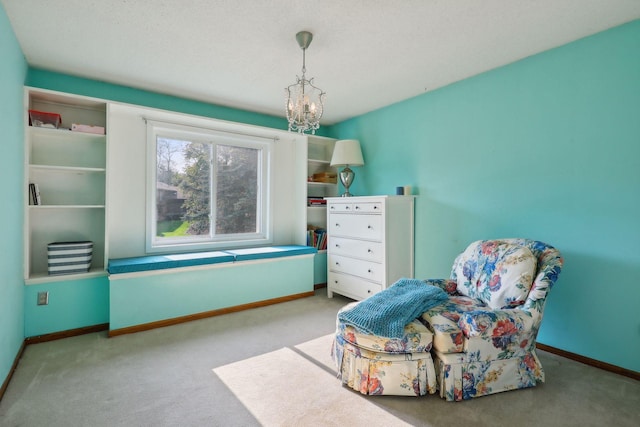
43	298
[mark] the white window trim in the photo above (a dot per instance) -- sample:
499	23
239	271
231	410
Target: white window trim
195	133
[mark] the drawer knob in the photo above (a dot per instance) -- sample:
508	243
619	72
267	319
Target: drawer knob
369	251
375	207
369	271
357	207
369	227
368	291
346	208
337	245
337	224
337	263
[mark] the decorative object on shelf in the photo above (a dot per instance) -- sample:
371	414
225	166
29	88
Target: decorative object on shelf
44	119
98	130
69	257
304	100
326	177
347	153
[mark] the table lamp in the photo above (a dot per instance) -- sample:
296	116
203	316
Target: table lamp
347	153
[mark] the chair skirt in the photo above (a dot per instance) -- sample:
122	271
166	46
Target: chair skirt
380	373
460	379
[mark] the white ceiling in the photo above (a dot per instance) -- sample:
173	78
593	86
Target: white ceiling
366	54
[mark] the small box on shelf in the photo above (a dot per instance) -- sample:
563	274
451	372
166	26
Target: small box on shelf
44	119
326	177
98	130
69	257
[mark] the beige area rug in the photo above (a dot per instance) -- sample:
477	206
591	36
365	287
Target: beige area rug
285	388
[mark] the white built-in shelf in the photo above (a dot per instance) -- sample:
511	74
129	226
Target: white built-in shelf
36	279
319	161
67	168
66	206
321	184
70	170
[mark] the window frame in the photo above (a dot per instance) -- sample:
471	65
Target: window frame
264	235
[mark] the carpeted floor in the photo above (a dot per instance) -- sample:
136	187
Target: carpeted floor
166	377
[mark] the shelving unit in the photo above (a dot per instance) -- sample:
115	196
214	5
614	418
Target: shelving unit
70	170
319	152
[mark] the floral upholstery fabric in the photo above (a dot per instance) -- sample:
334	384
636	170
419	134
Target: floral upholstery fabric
479	349
497	272
378	365
375	373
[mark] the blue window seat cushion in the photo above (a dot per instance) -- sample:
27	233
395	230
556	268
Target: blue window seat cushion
159	262
271	252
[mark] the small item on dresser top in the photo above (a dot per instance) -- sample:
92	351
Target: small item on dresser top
407	190
399	191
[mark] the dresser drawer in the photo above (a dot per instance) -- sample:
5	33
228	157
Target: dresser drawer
374	207
366	269
363	249
358	226
341	207
350	286
360	207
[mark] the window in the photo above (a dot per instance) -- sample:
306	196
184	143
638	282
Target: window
207	189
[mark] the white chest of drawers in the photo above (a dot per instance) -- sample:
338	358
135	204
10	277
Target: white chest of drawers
370	243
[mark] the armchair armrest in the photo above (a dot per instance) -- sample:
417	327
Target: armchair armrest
447	285
495	324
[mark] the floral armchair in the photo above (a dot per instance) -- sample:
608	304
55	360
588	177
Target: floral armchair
485	334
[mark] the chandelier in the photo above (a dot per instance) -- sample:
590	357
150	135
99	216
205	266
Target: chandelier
304	100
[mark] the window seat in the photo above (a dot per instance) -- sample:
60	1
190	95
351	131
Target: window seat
159	290
160	262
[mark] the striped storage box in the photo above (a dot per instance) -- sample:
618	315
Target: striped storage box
69	257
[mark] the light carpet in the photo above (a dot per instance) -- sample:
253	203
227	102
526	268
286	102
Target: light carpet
298	387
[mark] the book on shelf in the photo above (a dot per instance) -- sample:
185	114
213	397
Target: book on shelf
316	201
317	238
34	195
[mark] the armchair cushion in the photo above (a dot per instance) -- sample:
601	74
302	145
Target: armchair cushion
469	328
499	273
443	321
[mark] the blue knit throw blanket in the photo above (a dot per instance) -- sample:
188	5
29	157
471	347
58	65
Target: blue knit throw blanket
388	312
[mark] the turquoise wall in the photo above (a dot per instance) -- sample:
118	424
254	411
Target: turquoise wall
546	148
72	304
13	69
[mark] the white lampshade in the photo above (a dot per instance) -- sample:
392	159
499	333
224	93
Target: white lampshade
347	152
